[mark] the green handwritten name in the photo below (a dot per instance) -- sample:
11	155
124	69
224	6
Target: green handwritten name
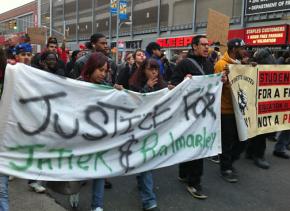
63	157
151	149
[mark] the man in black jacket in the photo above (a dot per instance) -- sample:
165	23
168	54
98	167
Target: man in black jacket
196	63
98	43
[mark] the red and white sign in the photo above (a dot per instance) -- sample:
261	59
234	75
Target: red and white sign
268	35
173	42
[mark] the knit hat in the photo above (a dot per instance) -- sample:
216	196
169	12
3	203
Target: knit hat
23	47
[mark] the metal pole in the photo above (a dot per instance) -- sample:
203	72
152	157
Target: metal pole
131	27
194	16
110	27
50	19
117	31
243	24
77	21
39	13
39	21
158	18
94	16
63	18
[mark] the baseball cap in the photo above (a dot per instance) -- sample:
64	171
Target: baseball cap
236	43
23	47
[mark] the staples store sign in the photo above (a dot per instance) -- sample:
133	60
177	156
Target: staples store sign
174	42
270	35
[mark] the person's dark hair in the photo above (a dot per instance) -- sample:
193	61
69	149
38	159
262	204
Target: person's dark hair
196	39
89	45
152	46
264	56
95	37
52	40
74	55
96	60
45	54
139	79
138	50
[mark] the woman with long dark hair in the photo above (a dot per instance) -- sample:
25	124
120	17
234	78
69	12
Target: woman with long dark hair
125	73
96	71
147	78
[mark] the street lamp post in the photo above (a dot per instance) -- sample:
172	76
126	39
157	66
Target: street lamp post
118	26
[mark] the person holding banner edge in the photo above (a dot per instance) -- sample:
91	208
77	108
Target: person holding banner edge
196	63
147	79
231	146
257	145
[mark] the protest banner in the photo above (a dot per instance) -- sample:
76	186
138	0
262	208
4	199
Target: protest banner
261	98
59	129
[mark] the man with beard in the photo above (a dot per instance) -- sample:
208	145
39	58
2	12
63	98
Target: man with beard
231	146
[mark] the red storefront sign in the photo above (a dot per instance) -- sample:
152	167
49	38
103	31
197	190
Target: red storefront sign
173	42
268	35
262	36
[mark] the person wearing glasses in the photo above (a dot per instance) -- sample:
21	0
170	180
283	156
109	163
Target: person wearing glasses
196	63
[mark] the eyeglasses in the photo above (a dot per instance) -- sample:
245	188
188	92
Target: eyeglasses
204	44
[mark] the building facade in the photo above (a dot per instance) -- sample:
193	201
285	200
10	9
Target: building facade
260	23
16	21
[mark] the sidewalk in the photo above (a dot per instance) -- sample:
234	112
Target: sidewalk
22	199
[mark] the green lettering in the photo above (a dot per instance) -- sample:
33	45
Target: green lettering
180	143
40	163
99	156
83	160
190	141
152	138
29	161
198	139
61	154
163	150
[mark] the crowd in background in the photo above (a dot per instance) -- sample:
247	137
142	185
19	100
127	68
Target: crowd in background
149	70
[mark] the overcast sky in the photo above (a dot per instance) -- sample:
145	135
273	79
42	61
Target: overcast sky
6	5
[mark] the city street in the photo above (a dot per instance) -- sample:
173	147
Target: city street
257	189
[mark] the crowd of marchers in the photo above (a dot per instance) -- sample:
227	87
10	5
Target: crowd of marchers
146	71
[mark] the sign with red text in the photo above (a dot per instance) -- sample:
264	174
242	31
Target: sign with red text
268	35
261	98
174	42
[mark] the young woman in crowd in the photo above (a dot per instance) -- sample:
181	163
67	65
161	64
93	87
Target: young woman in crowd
147	79
126	72
95	71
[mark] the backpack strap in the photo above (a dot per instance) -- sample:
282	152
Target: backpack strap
196	65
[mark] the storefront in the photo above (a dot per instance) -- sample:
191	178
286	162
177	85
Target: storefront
175	45
275	37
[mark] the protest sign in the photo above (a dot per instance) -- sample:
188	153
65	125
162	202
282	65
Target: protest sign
261	98
55	128
218	26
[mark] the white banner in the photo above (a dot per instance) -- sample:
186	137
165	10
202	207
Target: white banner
54	128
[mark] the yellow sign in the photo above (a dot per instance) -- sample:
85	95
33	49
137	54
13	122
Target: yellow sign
261	98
